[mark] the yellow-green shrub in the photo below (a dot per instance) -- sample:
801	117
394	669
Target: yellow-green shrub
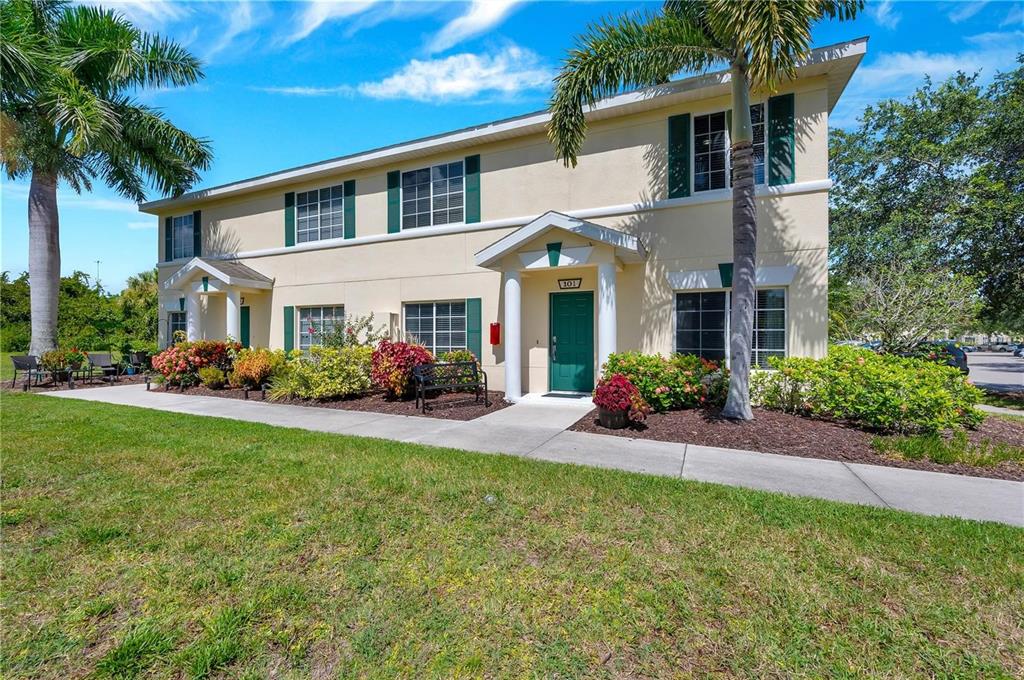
327	373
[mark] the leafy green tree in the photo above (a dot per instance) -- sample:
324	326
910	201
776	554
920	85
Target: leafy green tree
15	313
761	43
68	73
938	180
139	307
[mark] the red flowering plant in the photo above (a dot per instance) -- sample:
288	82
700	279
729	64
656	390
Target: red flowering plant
392	366
617	393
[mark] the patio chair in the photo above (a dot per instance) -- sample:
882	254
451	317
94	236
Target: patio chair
138	361
29	366
101	364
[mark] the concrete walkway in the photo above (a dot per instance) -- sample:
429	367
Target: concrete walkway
536	428
1000	410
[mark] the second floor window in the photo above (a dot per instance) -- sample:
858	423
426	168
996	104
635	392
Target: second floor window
320	214
433	196
712	167
181	237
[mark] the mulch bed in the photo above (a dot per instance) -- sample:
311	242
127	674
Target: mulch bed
791	435
50	386
449	406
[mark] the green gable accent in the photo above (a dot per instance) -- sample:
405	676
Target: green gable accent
725	271
554	252
181	304
289	328
472	189
168	247
679	156
474	332
289	219
244	326
197	233
206	284
350	208
781	140
394	201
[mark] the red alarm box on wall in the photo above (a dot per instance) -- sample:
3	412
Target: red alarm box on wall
495	333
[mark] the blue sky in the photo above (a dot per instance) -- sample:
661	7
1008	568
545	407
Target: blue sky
289	83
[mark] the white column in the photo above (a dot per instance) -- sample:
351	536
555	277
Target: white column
607	318
233	315
513	336
192	312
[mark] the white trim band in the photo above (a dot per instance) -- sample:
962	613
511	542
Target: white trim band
710	279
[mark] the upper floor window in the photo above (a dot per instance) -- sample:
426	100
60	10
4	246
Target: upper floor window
182	237
316	322
432	196
320	214
438	326
712	166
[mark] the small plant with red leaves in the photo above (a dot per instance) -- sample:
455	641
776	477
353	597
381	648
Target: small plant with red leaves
393	363
617	393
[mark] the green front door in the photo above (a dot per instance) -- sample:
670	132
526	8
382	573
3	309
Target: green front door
571	344
244	323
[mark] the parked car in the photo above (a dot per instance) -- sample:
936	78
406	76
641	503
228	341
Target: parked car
969	348
1019	352
999	347
936	349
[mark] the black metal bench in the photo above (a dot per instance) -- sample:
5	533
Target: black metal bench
457	375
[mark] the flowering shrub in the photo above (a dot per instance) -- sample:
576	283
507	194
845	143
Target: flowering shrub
75	357
617	393
681	381
212	377
180	363
393	363
54	360
354	331
880	391
253	367
327	373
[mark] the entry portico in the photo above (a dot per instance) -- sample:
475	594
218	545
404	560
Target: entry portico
201	277
557	243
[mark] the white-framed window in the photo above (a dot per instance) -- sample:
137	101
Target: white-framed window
176	321
320	214
314	322
439	326
702	324
712	165
434	195
181	237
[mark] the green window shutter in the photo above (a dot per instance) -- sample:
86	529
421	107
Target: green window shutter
394	201
244	326
289	218
197	233
289	328
781	142
474	334
679	156
350	208
472	189
725	272
168	245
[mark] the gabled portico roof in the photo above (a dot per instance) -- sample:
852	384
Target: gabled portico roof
231	273
628	248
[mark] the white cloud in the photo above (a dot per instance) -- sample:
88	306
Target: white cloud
138	226
242	17
147	14
66	197
897	74
883	14
1015	17
460	76
966	10
481	16
302	91
315	14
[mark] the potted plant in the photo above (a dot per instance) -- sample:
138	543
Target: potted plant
75	358
619	402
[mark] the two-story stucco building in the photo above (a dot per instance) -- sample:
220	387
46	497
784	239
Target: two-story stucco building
480	238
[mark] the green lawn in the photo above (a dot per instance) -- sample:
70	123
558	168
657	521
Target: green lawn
137	542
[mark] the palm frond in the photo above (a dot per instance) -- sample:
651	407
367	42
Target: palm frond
633	51
77	112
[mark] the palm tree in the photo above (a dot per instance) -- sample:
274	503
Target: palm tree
67	114
761	43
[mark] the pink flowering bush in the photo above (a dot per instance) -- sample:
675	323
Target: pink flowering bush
617	393
680	381
392	366
180	363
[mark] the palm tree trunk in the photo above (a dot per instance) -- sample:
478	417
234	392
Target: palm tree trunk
744	249
43	260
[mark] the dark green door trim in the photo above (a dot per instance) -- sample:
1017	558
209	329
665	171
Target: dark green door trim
571	358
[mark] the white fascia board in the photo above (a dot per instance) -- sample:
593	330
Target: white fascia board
183	275
710	279
522	125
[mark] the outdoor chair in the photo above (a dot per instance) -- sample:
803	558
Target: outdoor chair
139	361
101	364
29	366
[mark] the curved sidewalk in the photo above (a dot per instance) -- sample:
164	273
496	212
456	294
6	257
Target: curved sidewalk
537	429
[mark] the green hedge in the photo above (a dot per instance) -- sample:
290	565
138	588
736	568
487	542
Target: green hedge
878	391
680	381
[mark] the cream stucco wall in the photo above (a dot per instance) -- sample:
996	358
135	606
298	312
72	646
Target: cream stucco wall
623	162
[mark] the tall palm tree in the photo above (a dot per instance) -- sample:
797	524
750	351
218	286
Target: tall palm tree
67	114
761	43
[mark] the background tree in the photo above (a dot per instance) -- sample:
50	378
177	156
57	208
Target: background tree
68	73
939	179
761	43
139	307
